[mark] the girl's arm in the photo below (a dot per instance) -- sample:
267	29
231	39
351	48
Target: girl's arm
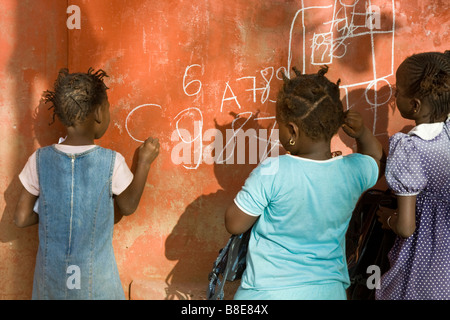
128	200
366	142
403	222
24	215
237	221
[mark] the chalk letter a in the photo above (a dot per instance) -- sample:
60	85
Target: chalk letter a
74	21
230	98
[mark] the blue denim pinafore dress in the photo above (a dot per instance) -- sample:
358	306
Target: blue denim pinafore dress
75	258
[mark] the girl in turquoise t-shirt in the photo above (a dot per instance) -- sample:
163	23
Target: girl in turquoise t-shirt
299	204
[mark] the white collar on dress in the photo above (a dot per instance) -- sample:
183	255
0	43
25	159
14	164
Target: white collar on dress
428	131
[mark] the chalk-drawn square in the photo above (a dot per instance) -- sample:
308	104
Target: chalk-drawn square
322	48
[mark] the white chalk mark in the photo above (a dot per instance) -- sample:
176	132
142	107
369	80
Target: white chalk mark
190	83
227	87
198	131
302	10
334	44
132	111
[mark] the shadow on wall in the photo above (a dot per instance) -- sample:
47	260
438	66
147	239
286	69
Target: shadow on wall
359	48
200	233
342	34
375	112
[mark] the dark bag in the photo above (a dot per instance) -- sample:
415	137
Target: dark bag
229	265
367	243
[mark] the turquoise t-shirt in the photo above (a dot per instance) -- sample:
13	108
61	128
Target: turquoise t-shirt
304	208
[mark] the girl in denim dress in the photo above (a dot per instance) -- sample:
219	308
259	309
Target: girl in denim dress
76	183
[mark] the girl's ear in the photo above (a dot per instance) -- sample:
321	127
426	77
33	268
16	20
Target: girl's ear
98	115
416	105
294	130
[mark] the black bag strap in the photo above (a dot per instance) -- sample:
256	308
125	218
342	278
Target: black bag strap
230	264
214	293
219	293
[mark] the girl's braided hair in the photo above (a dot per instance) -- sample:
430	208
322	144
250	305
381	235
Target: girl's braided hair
313	103
429	78
76	95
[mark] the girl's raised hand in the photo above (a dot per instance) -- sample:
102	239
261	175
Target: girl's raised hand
353	124
149	150
128	200
366	143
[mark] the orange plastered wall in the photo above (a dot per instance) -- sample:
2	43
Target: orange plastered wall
185	71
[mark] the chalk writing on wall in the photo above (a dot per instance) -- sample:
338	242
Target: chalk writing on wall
326	42
347	21
223	153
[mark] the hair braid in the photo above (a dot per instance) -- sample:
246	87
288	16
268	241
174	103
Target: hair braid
429	78
312	102
76	95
